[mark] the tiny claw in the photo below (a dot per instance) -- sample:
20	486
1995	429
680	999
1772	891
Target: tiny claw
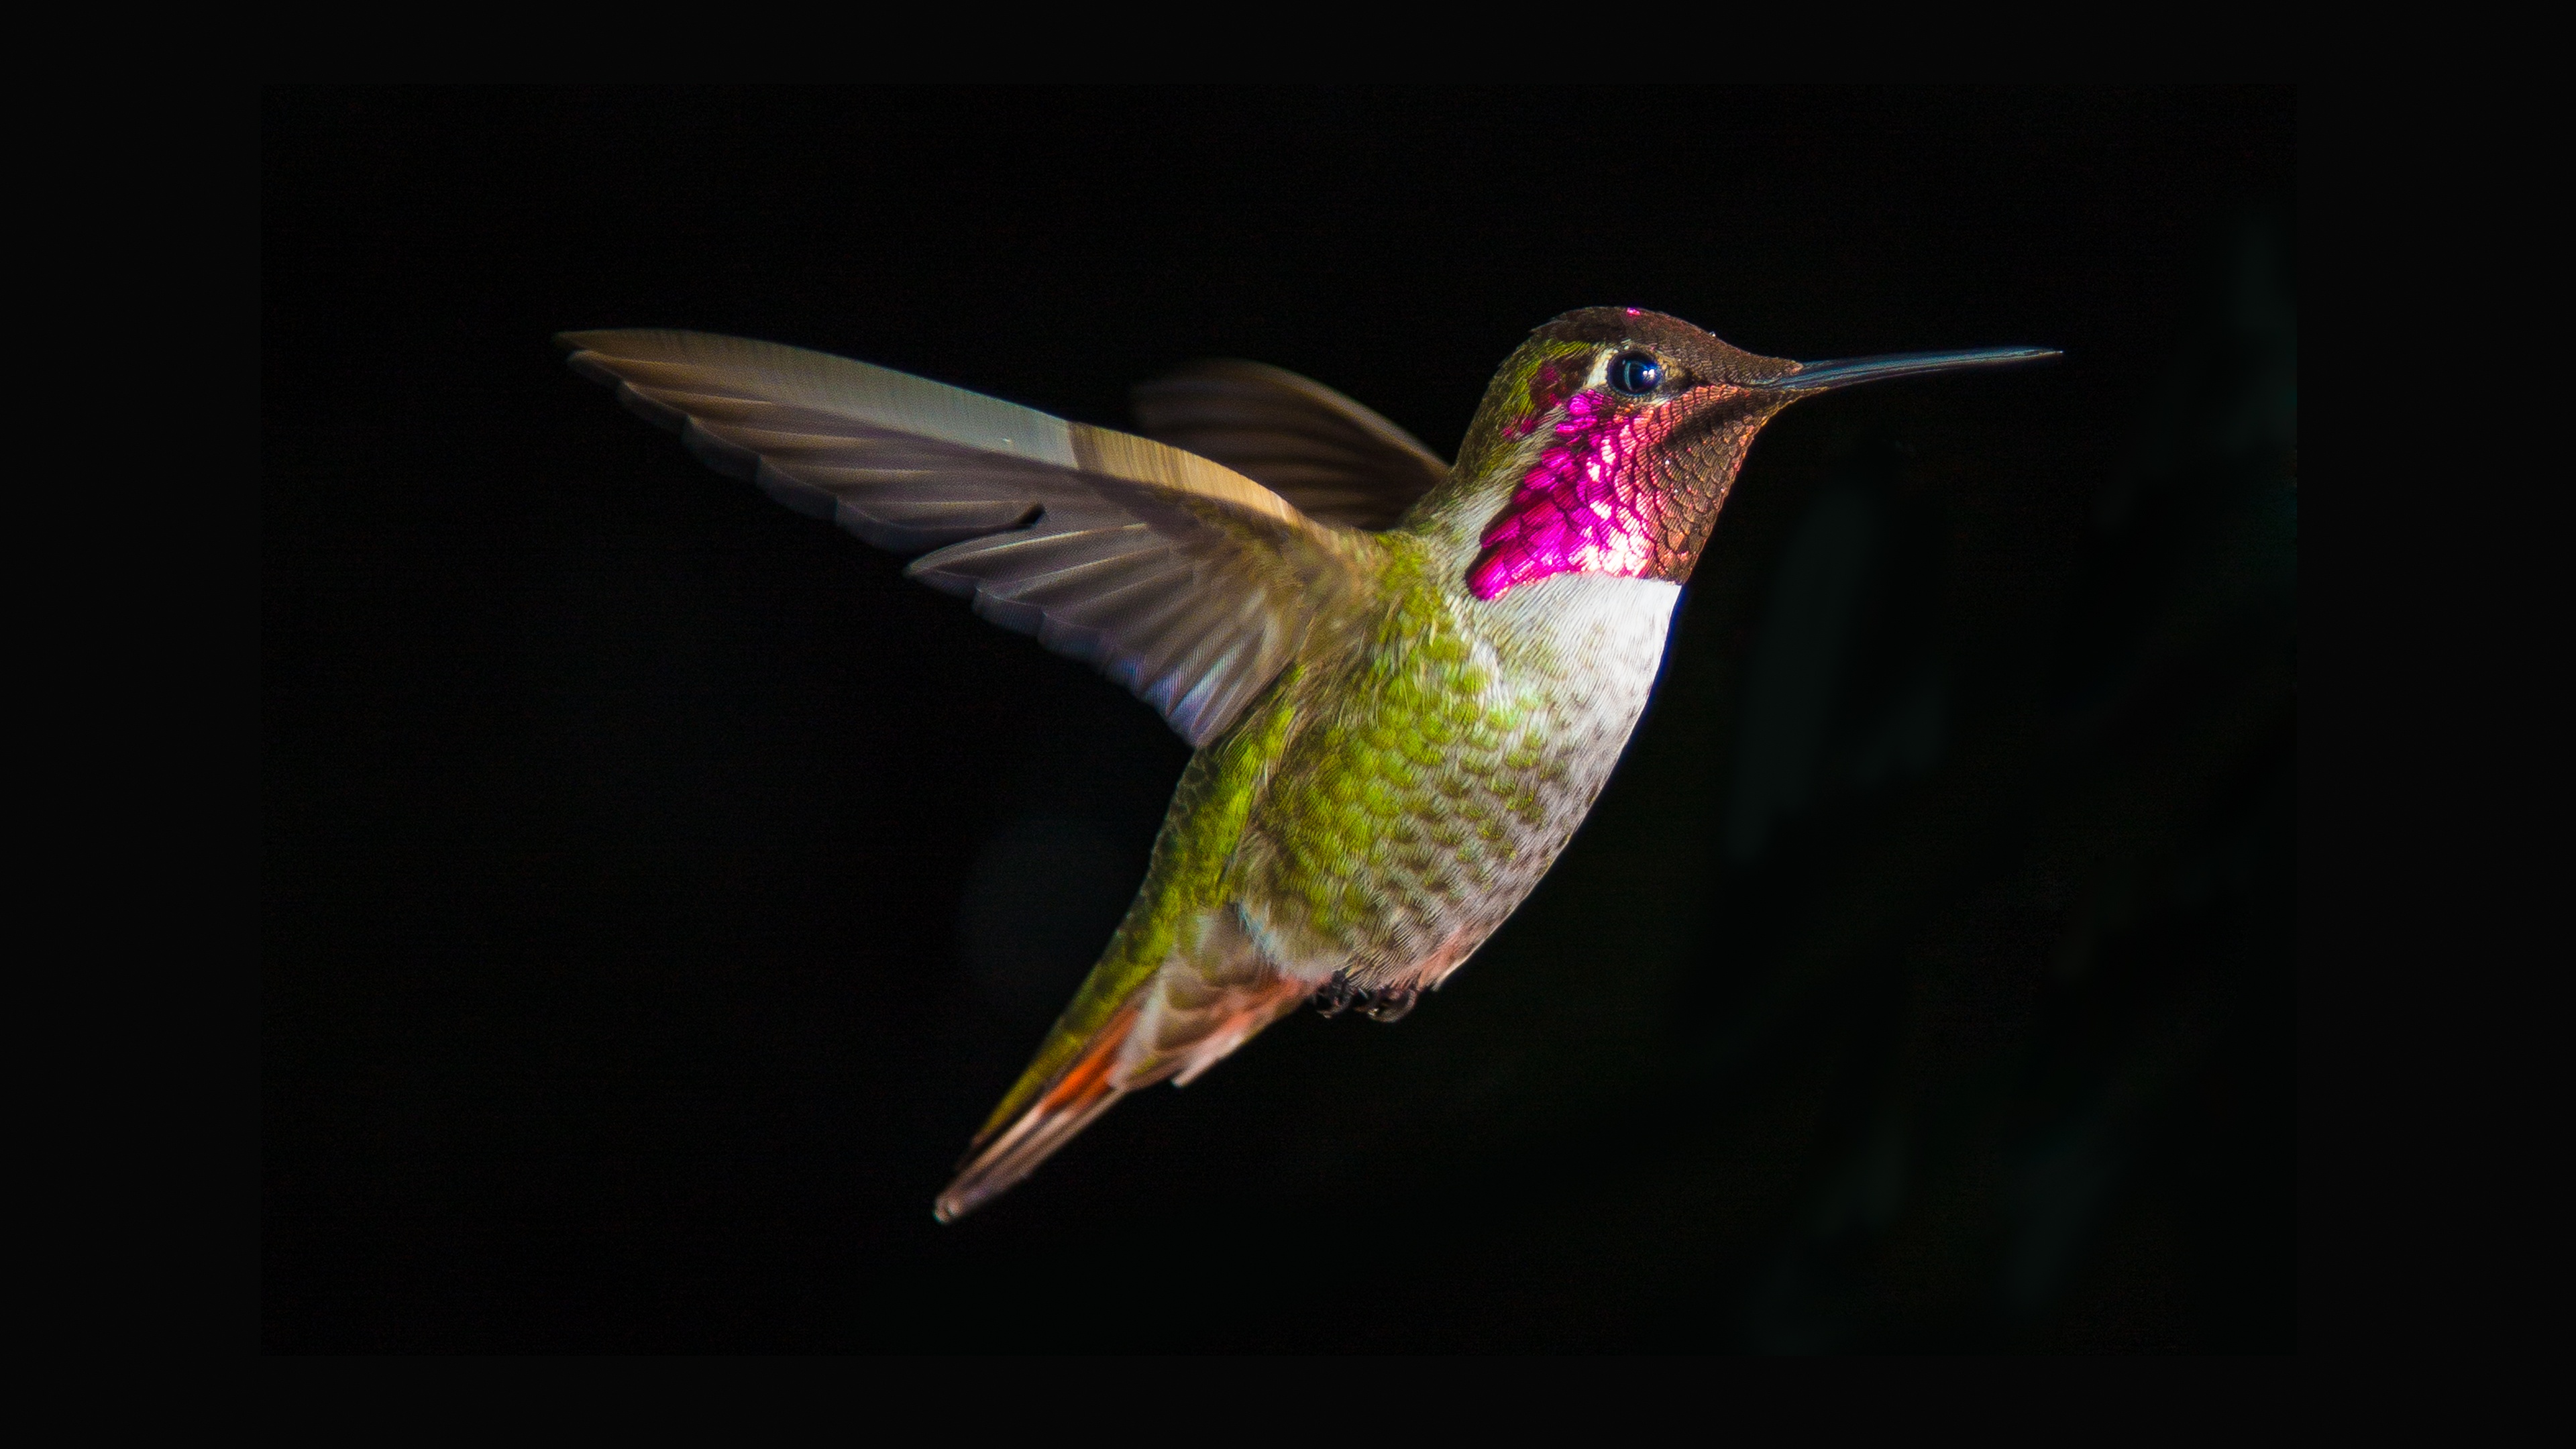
1393	1004
1333	998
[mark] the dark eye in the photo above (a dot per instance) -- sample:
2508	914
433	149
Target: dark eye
1636	373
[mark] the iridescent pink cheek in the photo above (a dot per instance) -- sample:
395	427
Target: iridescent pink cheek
1547	388
1584	507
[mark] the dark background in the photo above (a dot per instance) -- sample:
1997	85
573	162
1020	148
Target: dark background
658	890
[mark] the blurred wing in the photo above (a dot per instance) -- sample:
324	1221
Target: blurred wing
1321	451
1187	582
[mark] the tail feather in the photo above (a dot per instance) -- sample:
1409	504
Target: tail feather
999	1160
1203	1001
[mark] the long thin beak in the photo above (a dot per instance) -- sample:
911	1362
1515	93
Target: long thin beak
1846	371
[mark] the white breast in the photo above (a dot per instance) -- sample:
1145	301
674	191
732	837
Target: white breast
1587	648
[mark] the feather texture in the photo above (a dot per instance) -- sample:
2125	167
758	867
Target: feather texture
1333	458
1183	579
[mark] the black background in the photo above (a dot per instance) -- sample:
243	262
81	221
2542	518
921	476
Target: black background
658	890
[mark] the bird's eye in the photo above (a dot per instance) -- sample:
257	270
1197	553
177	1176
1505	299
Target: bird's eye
1636	373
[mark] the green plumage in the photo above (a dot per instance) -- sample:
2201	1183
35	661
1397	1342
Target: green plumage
1186	878
1379	810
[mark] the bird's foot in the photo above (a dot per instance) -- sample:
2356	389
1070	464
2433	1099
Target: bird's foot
1389	1006
1386	1004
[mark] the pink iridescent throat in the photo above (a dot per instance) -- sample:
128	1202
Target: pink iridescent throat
1589	505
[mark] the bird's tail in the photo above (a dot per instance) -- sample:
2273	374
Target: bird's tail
1089	1086
1125	1030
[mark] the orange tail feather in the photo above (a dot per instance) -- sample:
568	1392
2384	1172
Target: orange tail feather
1000	1159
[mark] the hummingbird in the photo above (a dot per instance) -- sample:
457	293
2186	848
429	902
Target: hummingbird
1405	681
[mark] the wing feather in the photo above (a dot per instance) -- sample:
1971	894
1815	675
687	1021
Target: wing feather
1323	452
1134	607
1181	577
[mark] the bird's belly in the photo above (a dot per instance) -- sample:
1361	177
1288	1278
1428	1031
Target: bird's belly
1419	805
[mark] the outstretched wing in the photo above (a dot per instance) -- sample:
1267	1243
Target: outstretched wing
1328	455
1187	582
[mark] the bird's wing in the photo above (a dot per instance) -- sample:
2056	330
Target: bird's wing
1186	581
1309	444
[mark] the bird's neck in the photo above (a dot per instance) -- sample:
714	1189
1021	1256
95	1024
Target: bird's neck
1503	443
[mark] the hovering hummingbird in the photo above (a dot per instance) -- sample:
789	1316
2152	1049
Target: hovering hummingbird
1406	681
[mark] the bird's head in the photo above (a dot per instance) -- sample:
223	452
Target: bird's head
1608	440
